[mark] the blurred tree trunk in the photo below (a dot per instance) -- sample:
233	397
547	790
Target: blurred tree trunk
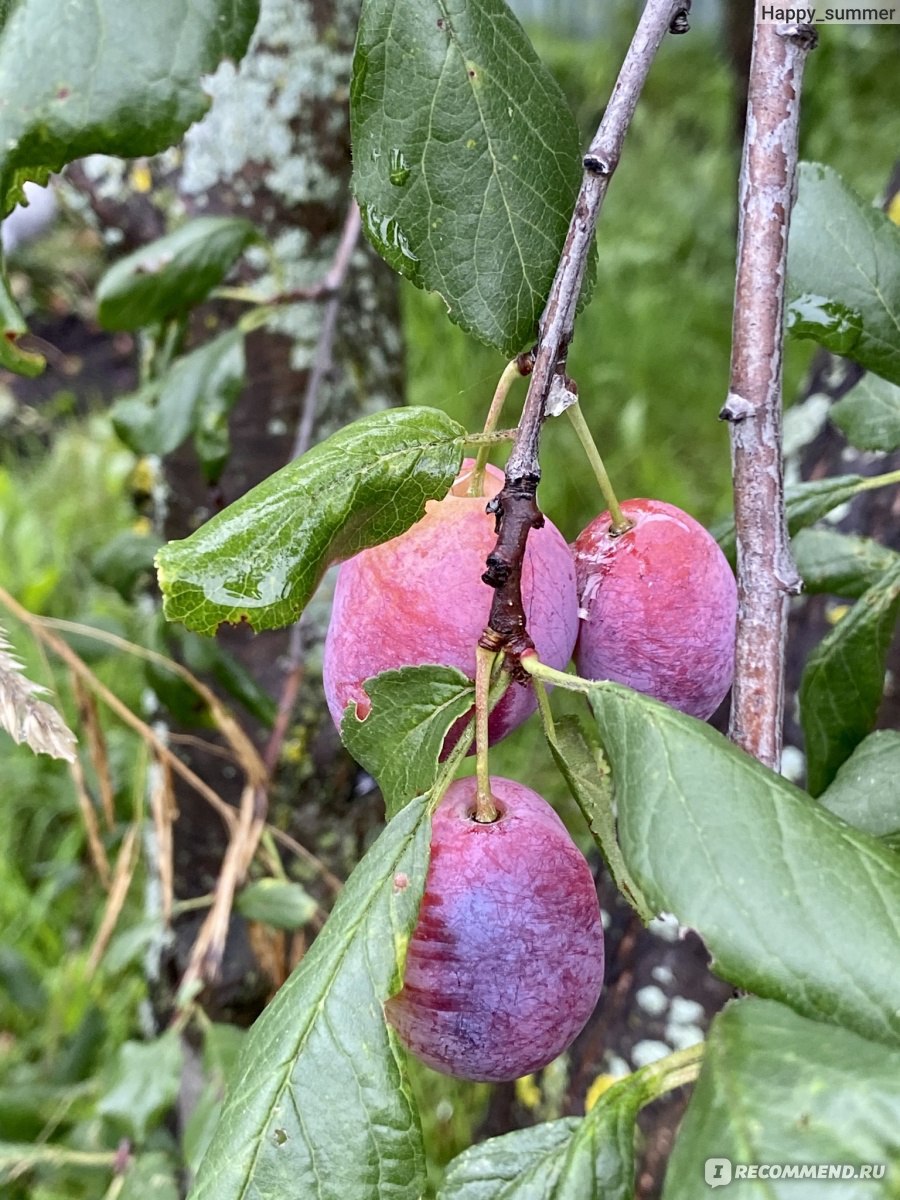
275	148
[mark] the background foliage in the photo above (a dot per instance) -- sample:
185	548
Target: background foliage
74	1073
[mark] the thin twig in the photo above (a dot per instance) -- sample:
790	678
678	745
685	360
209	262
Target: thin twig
767	576
334	282
322	362
515	506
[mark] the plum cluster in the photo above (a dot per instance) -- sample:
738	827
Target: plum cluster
506	962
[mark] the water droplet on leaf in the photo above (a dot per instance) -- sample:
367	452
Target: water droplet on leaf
828	322
399	169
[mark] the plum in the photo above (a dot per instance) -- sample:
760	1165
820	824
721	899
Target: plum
505	964
420	599
658	607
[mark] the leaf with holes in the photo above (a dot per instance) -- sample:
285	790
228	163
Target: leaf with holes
466	159
400	739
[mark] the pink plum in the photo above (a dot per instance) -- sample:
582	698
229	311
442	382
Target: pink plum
505	964
420	599
658	607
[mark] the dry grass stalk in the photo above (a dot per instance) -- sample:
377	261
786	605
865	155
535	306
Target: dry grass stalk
89	719
164	812
121	882
92	829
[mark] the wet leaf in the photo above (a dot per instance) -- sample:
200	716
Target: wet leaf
844	272
466	159
261	558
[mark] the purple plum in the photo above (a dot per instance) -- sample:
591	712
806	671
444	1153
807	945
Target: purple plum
505	964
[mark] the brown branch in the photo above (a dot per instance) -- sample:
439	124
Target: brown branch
515	506
767	576
332	285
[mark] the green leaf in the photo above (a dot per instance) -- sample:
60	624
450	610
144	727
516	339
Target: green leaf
194	396
466	159
524	1165
843	681
169	276
567	1159
100	77
866	790
12	325
150	1177
777	1088
586	772
839	563
845	254
737	853
261	558
805	503
401	738
144	1084
125	560
869	415
319	1105
278	902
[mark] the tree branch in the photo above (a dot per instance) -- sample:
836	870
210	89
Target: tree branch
767	576
515	506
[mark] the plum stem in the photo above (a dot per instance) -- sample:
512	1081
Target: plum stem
666	1074
543	701
485	808
620	523
515	506
511	372
540	671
